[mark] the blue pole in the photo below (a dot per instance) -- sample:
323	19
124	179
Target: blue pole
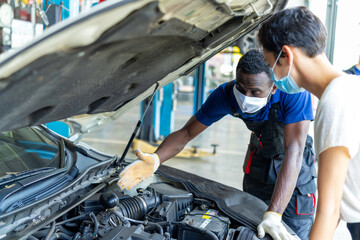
199	85
167	110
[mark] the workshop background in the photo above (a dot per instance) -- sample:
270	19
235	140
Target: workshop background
217	153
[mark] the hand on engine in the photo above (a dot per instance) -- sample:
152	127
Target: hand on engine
139	170
272	225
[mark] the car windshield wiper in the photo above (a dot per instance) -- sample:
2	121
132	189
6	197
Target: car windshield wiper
20	175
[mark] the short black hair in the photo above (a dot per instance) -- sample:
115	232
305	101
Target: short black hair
297	27
253	62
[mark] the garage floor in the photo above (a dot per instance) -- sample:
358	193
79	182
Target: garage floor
226	166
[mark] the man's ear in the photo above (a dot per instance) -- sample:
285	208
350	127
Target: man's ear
287	51
273	90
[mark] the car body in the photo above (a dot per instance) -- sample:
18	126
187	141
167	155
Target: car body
100	65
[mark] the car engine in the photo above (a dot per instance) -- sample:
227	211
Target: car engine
160	212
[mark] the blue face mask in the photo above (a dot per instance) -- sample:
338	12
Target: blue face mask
287	83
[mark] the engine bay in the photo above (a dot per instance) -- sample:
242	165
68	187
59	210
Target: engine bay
161	212
82	200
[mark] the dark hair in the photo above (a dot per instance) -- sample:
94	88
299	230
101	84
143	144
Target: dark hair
297	27
253	62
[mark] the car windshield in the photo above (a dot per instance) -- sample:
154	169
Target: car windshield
27	149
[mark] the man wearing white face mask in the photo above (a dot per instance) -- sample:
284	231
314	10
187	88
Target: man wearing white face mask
279	165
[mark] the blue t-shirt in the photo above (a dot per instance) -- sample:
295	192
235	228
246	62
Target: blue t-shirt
293	107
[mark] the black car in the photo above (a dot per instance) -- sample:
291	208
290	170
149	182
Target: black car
105	62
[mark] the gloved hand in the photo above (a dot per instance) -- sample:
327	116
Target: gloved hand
272	225
139	170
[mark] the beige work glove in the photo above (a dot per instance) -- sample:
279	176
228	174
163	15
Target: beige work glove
272	225
139	170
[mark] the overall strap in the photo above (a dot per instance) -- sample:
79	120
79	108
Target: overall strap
274	111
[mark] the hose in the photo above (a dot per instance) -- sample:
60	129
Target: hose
72	219
134	208
128	220
96	223
32	238
151	226
167	235
60	235
77	236
134	221
64	230
71	225
161	231
51	231
40	234
122	218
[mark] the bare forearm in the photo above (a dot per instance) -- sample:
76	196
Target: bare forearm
286	182
172	145
325	224
294	142
333	166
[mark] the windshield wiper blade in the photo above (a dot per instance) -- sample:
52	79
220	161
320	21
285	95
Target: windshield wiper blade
20	175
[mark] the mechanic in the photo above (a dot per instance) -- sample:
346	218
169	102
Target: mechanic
279	145
294	41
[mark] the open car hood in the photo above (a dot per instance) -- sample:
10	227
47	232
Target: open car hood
112	57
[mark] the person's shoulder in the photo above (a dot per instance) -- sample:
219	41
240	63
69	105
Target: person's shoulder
346	86
346	79
341	91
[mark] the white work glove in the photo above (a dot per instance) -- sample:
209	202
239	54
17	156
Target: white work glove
272	225
139	170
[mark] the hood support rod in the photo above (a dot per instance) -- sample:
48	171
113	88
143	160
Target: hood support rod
138	125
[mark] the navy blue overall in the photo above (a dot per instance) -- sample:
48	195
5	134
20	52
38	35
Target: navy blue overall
262	164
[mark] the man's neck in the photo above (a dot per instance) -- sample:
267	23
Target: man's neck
317	73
